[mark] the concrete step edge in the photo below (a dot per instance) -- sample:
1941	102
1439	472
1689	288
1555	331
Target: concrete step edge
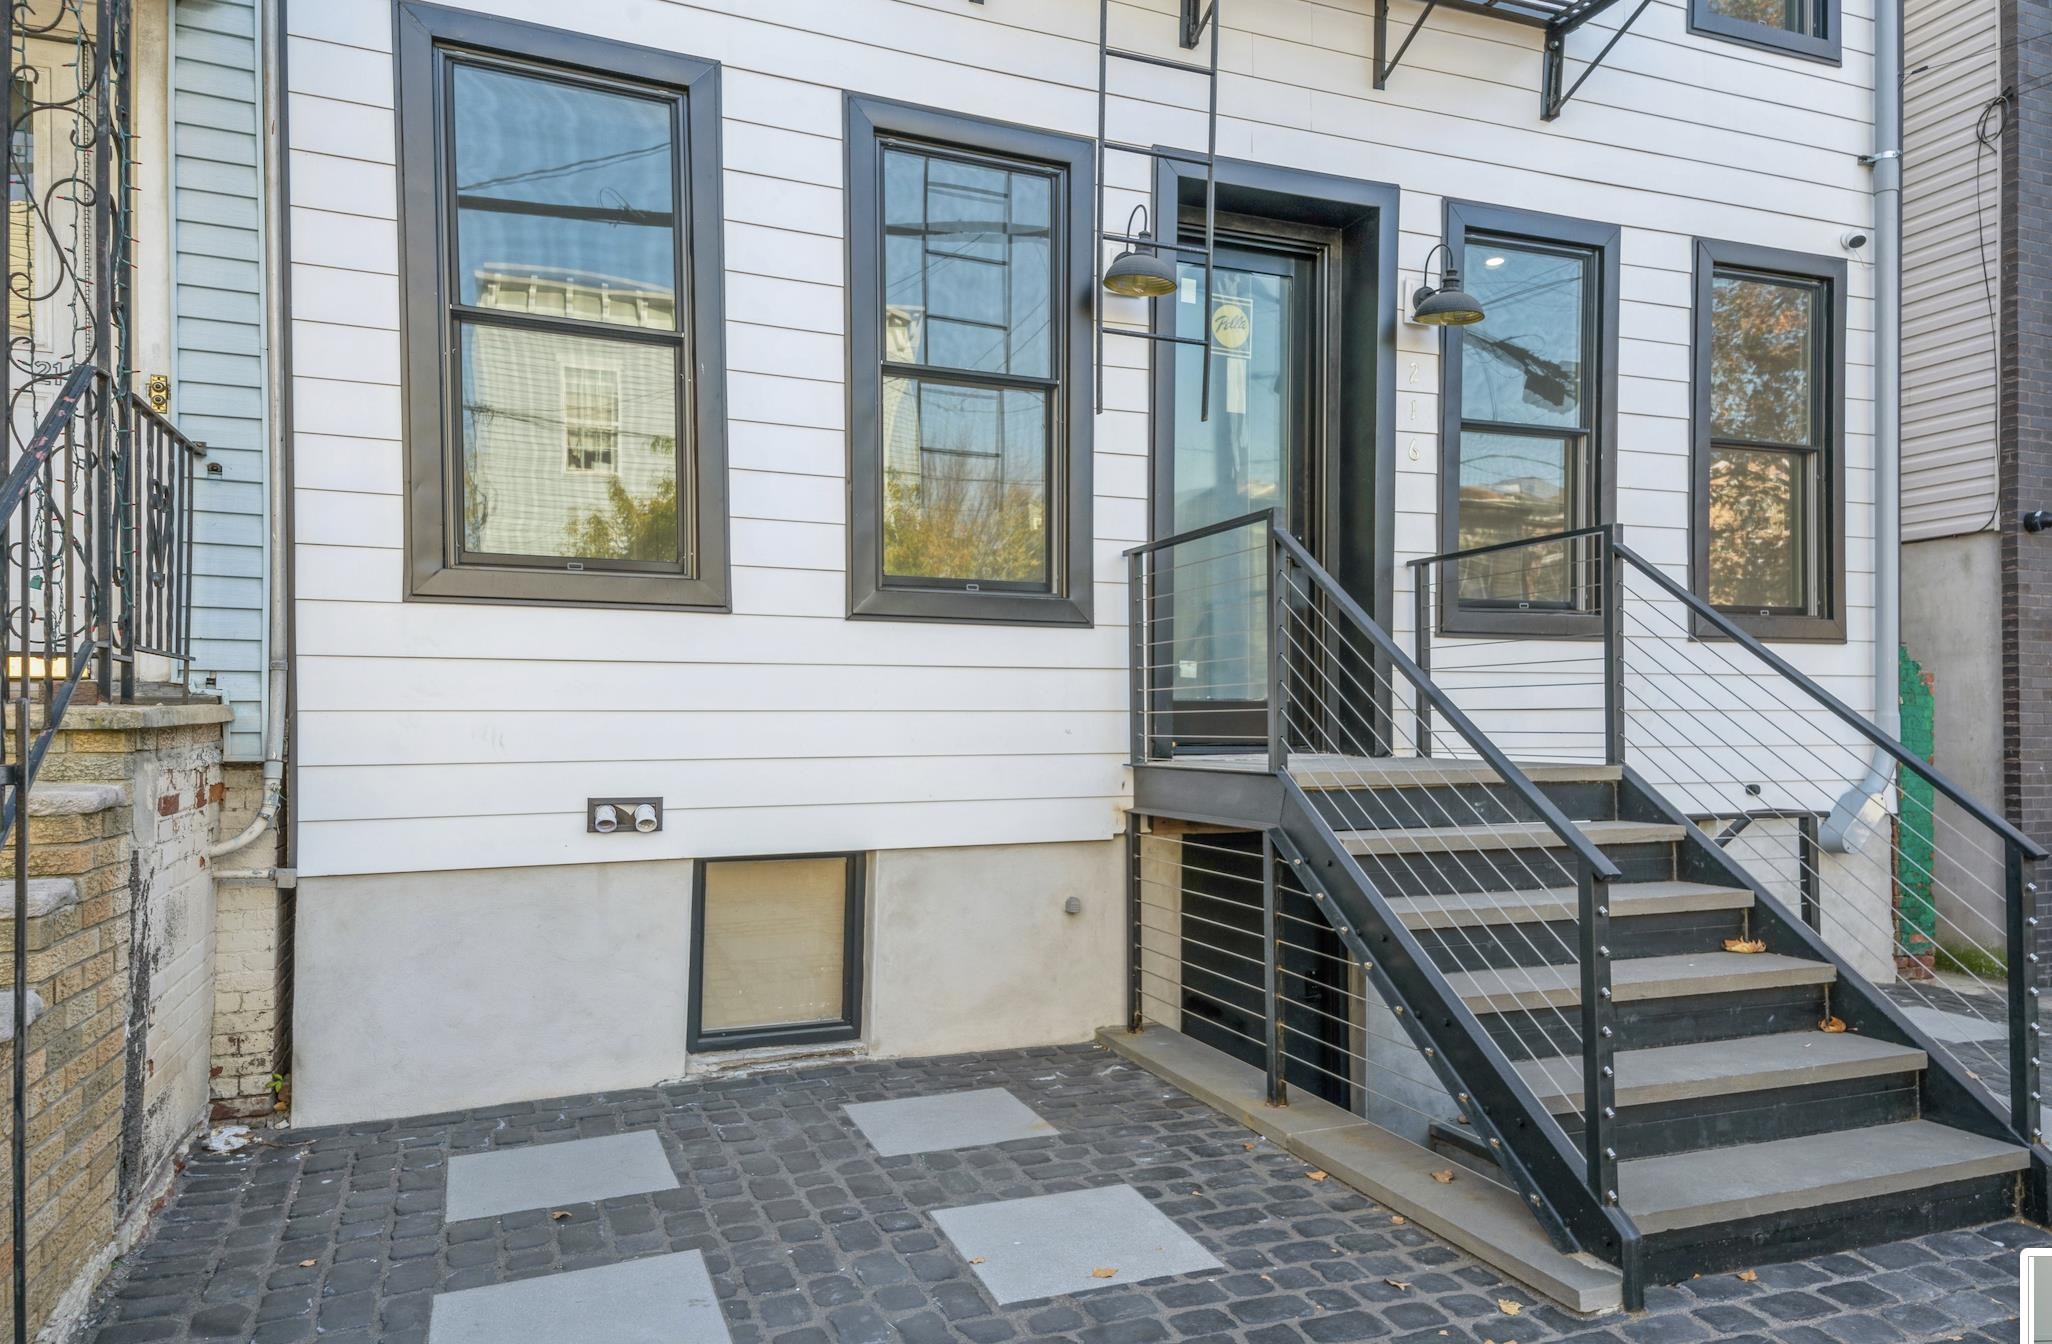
1719	1068
75	800
1634	979
46	895
1509	835
1754	1180
1552	904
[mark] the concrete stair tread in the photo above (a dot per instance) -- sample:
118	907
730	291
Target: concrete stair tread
1554	904
1714	1185
1504	835
1720	1068
49	799
1413	772
46	896
1636	978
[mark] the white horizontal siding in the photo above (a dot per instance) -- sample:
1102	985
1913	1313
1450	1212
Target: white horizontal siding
439	735
218	381
1952	257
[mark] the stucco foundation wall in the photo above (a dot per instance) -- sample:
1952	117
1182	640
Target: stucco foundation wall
416	993
971	949
1951	619
437	991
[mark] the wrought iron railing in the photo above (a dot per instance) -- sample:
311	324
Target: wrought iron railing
96	536
1905	876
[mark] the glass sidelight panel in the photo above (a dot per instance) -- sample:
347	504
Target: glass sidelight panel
1244	458
776	946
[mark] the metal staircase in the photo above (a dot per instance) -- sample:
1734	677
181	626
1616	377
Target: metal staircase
1555	971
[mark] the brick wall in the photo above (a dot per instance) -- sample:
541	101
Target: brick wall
120	942
252	962
2026	404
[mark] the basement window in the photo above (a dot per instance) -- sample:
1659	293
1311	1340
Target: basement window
776	951
561	229
1806	28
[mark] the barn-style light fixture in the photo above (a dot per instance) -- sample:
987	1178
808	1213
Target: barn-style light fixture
1136	274
1445	304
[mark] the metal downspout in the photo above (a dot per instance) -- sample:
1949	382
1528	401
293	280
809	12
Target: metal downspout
1862	804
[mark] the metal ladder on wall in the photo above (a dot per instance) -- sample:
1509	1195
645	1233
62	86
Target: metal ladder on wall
1196	19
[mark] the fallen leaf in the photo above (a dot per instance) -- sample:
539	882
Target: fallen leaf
975	1259
1102	1273
308	1264
1508	1307
1834	1025
1744	945
1747	1276
1444	1177
1398	1219
558	1216
1401	1285
1247	1147
1315	1175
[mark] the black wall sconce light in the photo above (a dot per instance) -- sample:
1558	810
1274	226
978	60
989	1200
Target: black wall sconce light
1137	274
1445	304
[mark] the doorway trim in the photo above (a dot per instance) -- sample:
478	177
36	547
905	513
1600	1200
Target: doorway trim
1359	542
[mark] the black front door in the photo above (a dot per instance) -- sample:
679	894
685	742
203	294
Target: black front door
1257	449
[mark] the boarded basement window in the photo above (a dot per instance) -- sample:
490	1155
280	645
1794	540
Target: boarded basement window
777	951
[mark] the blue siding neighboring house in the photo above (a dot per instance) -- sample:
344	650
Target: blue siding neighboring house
218	392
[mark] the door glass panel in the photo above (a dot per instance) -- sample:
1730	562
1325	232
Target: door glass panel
1234	463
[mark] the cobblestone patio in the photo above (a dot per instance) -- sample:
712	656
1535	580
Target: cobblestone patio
810	1237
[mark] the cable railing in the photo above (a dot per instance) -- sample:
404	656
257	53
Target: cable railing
1247	655
1918	886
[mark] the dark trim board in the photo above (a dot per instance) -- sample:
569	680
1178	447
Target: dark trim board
1825	48
846	1028
1069	597
1600	336
1826	622
1354	222
425	34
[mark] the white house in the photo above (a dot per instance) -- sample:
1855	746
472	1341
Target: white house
700	406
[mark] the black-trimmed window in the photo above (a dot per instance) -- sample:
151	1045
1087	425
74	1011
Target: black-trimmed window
1769	514
1528	428
776	951
1806	28
561	226
968	349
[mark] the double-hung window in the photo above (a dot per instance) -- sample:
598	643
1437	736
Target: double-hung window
1529	419
970	460
561	230
1807	28
1770	471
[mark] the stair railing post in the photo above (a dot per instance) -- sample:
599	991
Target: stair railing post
1421	645
1137	641
1611	575
1271	974
1278	650
2025	1027
1599	1047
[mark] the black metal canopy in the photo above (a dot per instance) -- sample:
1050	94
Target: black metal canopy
1557	17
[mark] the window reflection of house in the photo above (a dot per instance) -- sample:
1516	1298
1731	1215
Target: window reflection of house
569	434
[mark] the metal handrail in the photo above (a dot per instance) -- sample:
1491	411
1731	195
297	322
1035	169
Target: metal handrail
1528	792
1851	717
36	455
1730	630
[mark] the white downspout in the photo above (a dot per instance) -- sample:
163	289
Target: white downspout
1863	803
274	554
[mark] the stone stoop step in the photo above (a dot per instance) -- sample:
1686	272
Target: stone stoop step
1483	1218
1637	978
